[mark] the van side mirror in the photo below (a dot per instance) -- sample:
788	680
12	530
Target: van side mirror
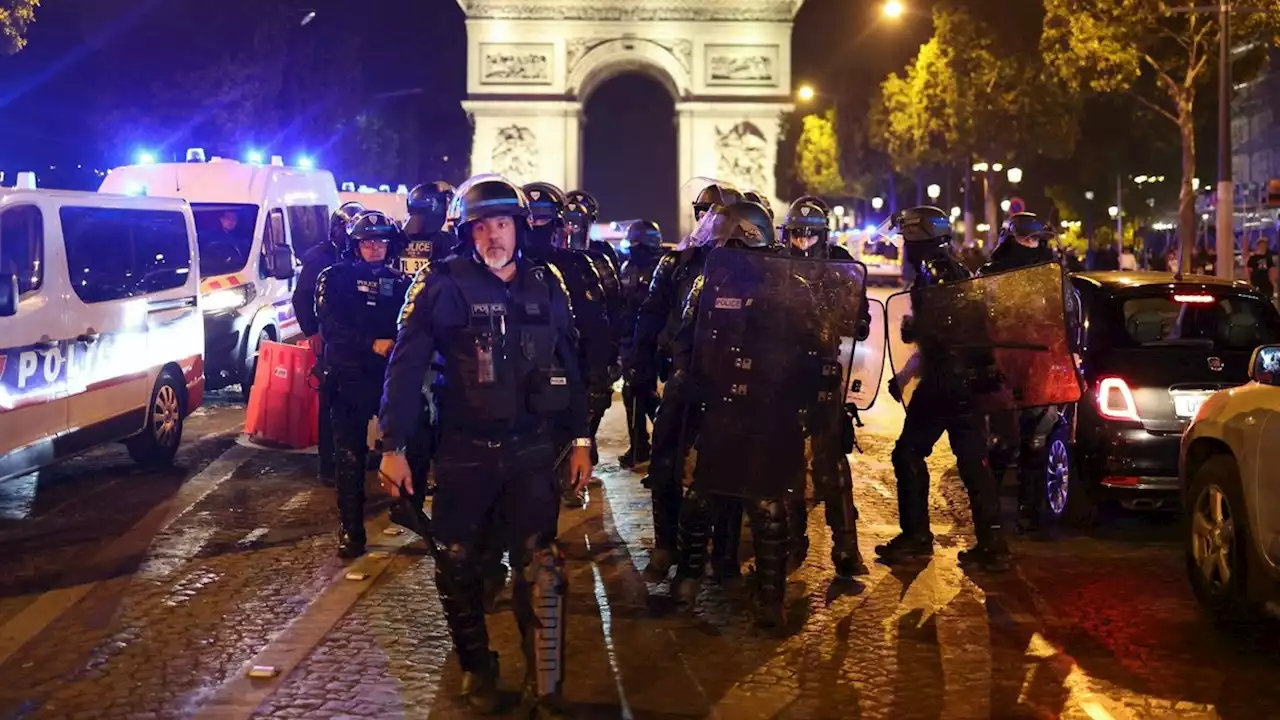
280	262
1264	368
8	295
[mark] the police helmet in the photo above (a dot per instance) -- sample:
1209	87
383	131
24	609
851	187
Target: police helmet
579	216
486	197
372	225
715	195
1025	225
431	198
587	201
749	225
817	200
645	233
340	219
546	203
759	199
924	224
806	218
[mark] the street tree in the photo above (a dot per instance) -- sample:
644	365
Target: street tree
15	17
818	156
1155	50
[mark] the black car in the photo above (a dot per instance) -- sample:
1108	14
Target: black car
1154	347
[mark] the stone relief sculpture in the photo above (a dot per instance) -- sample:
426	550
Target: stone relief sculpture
742	155
578	48
515	64
741	65
515	154
634	10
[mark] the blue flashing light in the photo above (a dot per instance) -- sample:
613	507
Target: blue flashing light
870	229
146	158
306	163
255	157
624	244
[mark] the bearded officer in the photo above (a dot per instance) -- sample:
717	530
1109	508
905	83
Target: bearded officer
927	236
503	329
357	303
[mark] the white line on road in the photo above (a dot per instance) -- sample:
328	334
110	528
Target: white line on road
48	607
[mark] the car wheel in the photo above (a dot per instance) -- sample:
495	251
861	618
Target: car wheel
251	364
1057	476
1216	531
157	444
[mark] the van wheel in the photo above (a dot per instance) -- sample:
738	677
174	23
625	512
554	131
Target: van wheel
250	371
157	444
1216	532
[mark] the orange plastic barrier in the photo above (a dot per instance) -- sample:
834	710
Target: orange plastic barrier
284	404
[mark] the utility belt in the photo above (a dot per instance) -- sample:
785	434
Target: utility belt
495	438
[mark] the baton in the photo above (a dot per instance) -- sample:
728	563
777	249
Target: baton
419	521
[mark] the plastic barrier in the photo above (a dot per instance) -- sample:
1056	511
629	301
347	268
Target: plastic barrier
284	404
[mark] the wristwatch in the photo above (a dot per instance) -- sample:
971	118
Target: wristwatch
581	442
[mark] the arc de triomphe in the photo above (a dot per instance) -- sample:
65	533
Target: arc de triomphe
532	64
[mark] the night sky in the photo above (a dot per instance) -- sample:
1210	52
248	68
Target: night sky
52	93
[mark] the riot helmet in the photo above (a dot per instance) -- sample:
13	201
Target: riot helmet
806	224
546	214
714	195
339	221
372	230
587	201
578	220
1026	226
817	200
759	199
644	233
926	234
484	197
741	225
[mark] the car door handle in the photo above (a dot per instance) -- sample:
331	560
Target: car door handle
89	336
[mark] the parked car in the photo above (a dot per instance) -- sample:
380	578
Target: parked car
101	335
1231	493
1155	347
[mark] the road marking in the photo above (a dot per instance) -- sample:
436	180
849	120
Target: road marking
48	607
241	696
254	536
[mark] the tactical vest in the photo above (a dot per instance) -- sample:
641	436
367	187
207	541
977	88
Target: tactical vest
379	295
502	365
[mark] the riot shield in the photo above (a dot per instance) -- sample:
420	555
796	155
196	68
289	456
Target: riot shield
866	361
766	363
990	343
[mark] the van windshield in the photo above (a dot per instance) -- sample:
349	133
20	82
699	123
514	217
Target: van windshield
225	234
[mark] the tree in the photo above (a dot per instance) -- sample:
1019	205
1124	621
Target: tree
818	156
15	17
1150	49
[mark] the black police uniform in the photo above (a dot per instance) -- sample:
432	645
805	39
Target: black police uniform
832	477
357	303
314	261
510	374
645	240
931	412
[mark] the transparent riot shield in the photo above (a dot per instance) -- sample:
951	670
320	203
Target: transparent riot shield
767	366
991	343
866	363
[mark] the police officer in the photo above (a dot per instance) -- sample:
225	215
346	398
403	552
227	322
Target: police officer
314	262
357	302
759	199
503	329
806	231
644	237
711	196
927	236
592	206
427	241
743	225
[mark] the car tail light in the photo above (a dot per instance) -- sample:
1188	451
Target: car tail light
1195	299
1115	401
1120	481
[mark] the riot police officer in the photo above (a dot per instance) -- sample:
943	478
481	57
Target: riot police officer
588	202
711	196
644	237
806	231
927	236
427	241
503	329
759	199
358	301
314	262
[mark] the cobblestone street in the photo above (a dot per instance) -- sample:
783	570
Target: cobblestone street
126	595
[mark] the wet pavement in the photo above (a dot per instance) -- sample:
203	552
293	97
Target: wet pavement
126	594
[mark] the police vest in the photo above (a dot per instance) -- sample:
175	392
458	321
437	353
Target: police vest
502	365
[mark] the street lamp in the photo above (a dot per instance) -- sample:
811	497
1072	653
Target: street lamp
1113	211
955	212
877	203
893	9
997	167
806	93
1088	195
934	192
1005	205
980	167
1015	175
1195	184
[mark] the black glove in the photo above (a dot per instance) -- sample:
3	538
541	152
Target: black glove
908	330
895	390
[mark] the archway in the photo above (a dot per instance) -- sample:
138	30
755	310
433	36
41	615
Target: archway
629	149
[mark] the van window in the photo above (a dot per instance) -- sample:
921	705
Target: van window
225	234
272	238
22	246
116	253
308	227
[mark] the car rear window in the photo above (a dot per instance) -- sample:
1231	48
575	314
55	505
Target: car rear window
1221	321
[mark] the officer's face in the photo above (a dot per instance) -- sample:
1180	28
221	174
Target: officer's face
1031	241
803	240
495	239
373	251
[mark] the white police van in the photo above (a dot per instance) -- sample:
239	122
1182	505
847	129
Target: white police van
253	221
100	326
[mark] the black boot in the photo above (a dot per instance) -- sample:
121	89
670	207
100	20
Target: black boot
725	542
350	491
770	537
459	583
798	526
990	554
842	518
906	548
480	686
693	536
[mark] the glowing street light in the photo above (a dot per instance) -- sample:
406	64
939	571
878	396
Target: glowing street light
955	212
1005	205
894	9
877	203
806	93
1015	175
981	167
1195	183
1088	195
934	192
1113	211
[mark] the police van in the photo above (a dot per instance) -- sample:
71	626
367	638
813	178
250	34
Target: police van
252	221
100	326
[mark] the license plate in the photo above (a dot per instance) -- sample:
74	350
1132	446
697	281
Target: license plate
1186	406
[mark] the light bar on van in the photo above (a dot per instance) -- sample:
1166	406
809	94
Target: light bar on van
254	157
146	158
1195	299
306	163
